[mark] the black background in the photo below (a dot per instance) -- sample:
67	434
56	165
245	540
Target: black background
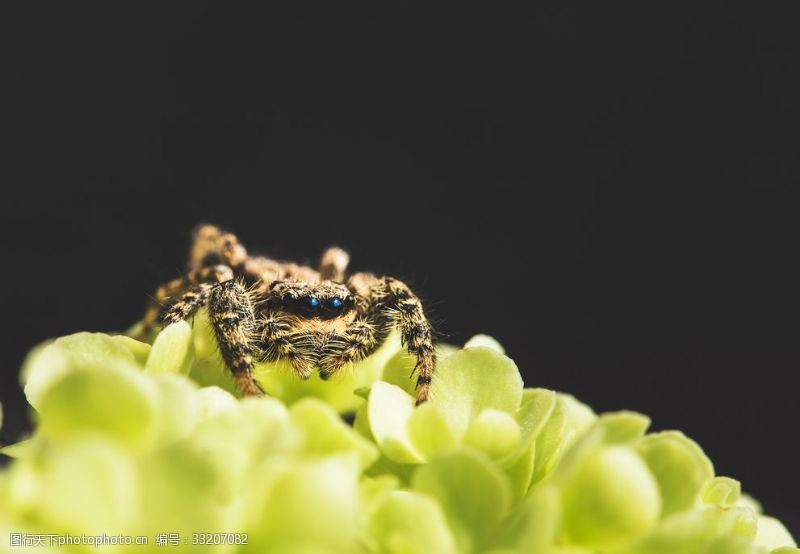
611	191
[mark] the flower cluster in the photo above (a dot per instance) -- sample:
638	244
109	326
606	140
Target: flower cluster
151	441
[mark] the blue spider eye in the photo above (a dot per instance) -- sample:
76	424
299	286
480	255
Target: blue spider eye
335	303
312	302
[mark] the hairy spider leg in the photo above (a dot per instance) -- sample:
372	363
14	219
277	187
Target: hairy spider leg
333	264
231	313
210	246
385	303
176	288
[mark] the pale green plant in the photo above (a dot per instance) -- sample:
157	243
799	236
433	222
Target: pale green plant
136	439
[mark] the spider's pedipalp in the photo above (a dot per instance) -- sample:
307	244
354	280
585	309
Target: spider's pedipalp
280	341
359	341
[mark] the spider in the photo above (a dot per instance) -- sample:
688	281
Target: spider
265	310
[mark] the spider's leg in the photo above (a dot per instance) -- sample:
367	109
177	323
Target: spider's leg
333	264
211	246
232	317
360	340
390	303
160	303
231	312
183	307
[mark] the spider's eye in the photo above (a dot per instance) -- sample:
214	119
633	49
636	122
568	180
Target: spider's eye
335	303
312	303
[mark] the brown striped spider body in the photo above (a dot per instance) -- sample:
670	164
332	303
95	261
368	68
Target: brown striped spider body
316	319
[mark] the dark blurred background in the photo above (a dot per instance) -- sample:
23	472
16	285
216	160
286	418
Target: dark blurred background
609	191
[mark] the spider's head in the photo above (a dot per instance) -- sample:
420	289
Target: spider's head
324	300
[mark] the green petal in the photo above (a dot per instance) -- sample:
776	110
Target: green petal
205	343
721	491
209	369
361	422
388	409
93	348
623	427
428	431
472	492
444	350
494	432
486	341
211	372
213	401
172	351
520	471
533	415
747	501
537	407
305	507
474	380
579	416
386	467
732	545
410	523
181	488
87	486
176	406
697	530
772	534
534	525
114	399
399	370
467	383
49	362
609	498
326	434
43	365
679	466
237	434
568	420
140	350
374	490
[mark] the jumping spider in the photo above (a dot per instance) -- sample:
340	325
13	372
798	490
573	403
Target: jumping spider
264	310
